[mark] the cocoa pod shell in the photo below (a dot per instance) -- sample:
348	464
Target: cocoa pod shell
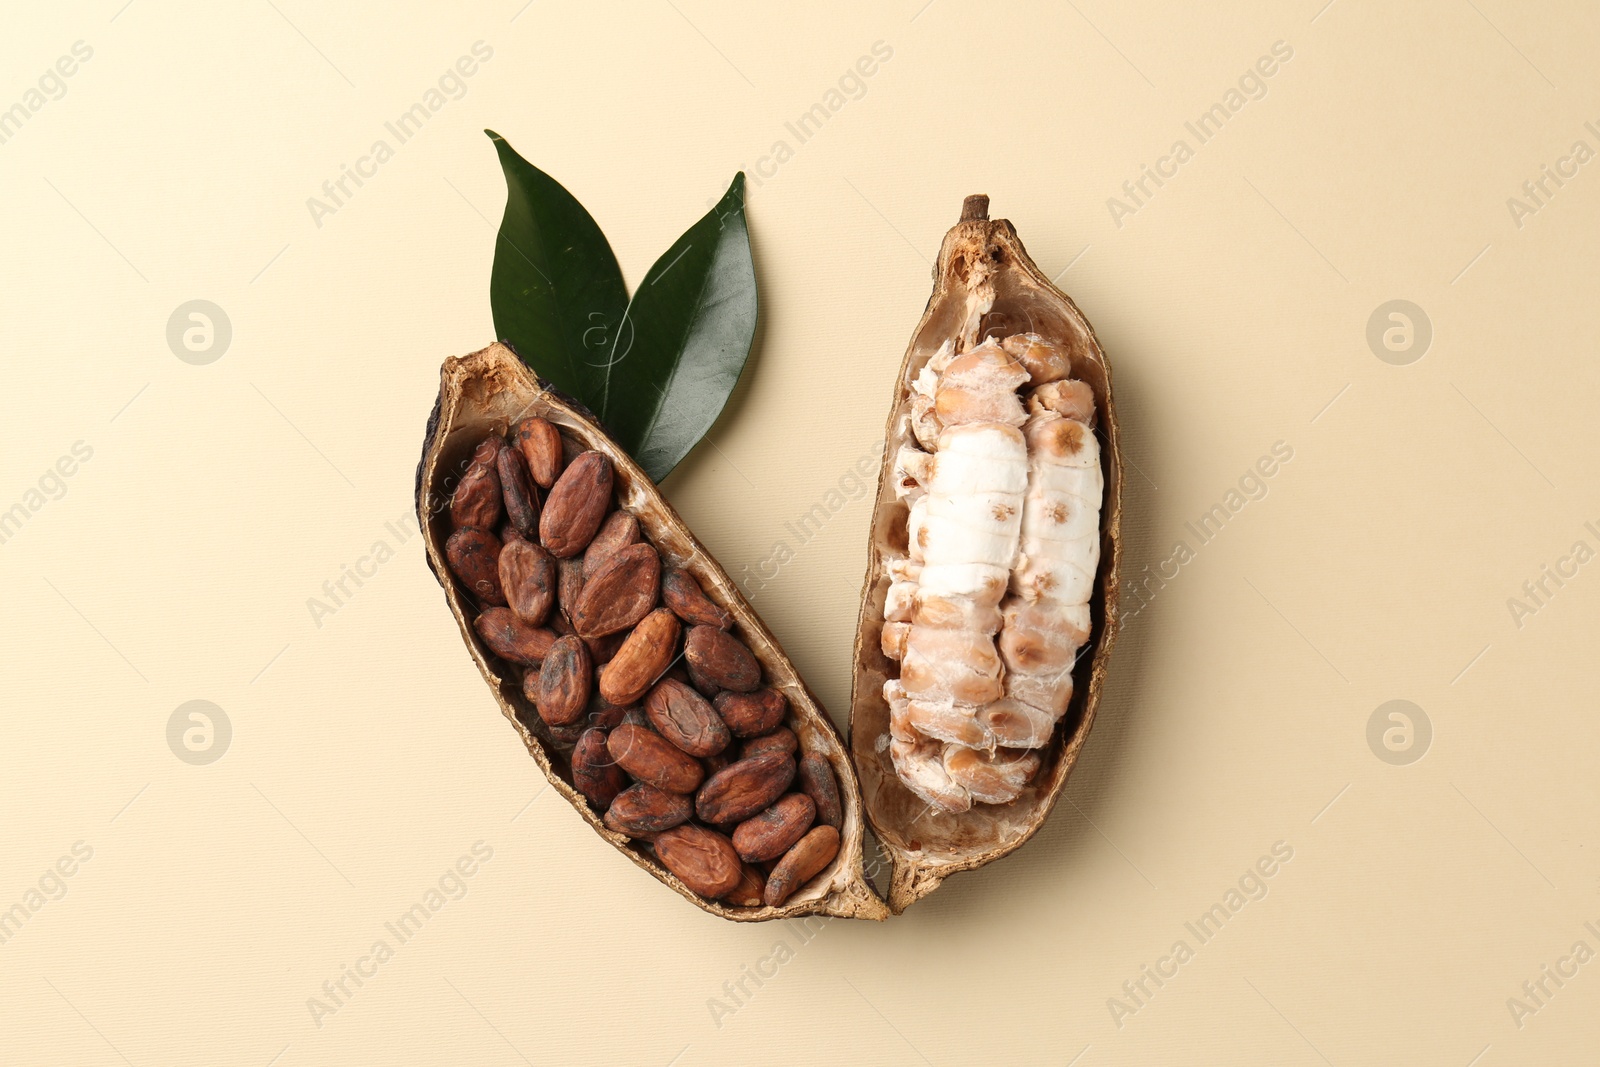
576	505
721	659
643	809
485	393
512	639
982	263
768	834
752	714
743	788
681	593
564	682
594	773
540	444
645	653
619	593
801	863
527	579
703	860
652	759
474	556
686	718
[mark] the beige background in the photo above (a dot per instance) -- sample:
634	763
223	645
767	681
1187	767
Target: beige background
366	756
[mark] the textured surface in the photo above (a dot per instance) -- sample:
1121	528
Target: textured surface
366	757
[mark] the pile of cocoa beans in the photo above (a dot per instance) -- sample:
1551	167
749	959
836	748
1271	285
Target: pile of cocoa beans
673	736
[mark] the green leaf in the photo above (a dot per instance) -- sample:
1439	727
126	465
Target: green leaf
684	339
556	290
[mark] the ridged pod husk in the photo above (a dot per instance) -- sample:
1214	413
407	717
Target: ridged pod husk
485	393
926	846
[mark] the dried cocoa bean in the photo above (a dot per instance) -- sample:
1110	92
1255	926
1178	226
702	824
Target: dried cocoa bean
474	556
770	833
540	444
527	579
522	507
476	501
654	760
604	714
644	809
602	649
564	682
619	593
801	863
644	654
594	773
686	718
780	740
818	782
619	531
752	714
569	586
576	504
716	762
703	859
747	894
681	593
512	639
740	790
721	659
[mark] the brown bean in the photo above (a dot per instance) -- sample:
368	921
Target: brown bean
780	740
619	531
522	506
476	500
645	653
512	639
619	592
644	809
768	834
801	863
564	682
594	773
577	502
474	556
686	718
540	444
818	782
528	580
752	714
747	894
681	593
721	659
652	759
703	860
740	790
